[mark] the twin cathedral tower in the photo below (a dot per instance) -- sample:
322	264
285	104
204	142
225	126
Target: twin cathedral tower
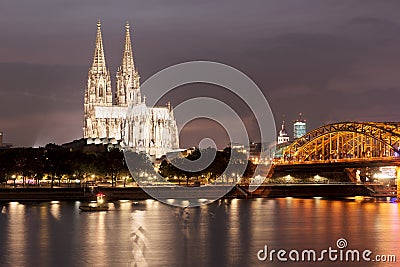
125	119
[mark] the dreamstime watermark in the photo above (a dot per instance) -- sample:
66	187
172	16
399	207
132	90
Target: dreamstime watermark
340	253
205	107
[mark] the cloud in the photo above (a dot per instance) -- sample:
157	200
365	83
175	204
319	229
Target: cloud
331	60
37	100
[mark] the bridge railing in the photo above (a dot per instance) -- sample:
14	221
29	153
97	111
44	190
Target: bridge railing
283	162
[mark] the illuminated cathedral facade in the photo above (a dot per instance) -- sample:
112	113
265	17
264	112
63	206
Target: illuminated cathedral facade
125	119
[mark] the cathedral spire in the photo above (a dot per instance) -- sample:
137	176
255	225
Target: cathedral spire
128	88
99	61
127	59
98	89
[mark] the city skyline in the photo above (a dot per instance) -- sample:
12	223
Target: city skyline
332	61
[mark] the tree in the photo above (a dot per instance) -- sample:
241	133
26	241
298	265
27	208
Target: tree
112	163
225	163
84	164
140	166
58	162
7	163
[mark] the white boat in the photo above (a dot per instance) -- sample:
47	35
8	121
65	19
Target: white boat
99	206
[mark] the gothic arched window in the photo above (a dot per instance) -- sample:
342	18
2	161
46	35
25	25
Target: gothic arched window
101	90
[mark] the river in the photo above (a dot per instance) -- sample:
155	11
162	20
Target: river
224	233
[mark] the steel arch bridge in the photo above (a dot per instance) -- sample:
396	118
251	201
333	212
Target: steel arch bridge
346	140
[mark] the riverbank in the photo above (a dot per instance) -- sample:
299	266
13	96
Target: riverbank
137	193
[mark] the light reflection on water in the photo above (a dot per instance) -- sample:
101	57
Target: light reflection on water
225	233
17	230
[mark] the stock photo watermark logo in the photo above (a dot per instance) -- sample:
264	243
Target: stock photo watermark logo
339	253
237	83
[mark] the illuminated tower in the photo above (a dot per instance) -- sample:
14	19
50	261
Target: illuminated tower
299	127
283	136
128	88
98	89
128	123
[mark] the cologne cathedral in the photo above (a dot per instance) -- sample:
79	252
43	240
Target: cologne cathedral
151	130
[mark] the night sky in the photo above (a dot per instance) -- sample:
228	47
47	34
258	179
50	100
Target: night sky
331	60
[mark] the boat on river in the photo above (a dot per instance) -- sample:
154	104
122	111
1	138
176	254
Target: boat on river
100	204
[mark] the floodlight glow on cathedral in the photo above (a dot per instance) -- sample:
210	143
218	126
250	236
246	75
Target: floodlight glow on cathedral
152	130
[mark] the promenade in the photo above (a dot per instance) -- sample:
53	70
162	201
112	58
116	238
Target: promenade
137	193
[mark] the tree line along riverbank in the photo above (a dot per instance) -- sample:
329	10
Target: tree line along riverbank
55	165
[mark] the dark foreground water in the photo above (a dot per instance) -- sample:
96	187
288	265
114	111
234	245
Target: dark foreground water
225	233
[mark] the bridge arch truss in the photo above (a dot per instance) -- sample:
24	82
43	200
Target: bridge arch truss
346	140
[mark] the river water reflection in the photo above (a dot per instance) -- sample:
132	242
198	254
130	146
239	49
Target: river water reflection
224	233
